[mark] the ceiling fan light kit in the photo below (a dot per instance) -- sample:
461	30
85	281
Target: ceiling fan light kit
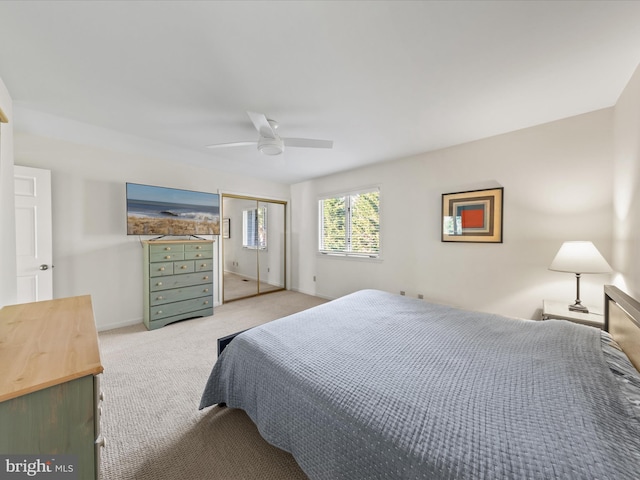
269	142
270	146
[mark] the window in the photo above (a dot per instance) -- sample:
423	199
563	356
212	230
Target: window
254	228
350	224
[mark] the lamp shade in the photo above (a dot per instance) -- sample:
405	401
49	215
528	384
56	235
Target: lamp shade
579	257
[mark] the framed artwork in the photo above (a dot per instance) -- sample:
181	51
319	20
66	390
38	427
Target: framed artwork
474	216
226	228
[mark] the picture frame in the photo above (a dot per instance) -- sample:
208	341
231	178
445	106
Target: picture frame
226	228
473	216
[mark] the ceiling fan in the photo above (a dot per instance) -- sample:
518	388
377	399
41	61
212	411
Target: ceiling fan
269	142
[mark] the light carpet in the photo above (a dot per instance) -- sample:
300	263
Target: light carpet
236	286
152	383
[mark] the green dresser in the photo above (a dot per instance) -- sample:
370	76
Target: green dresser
178	280
50	398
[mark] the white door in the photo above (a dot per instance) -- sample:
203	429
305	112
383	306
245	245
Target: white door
33	234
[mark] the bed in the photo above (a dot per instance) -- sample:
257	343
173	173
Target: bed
379	386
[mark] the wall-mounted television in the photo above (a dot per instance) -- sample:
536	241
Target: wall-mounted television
166	211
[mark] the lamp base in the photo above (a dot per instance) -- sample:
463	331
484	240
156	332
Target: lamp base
577	307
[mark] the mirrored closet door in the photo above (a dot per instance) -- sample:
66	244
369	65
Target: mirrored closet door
253	246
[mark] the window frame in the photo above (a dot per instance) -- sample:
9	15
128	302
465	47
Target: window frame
262	246
348	195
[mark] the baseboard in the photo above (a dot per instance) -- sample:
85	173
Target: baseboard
114	325
313	294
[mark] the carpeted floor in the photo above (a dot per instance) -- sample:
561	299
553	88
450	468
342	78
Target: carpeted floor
152	383
236	286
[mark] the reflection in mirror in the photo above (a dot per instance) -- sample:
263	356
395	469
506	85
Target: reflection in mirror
253	246
271	258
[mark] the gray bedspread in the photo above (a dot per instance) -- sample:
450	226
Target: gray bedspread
378	386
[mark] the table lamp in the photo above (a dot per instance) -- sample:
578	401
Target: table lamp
579	258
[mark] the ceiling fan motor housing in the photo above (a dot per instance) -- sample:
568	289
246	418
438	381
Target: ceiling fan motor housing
270	146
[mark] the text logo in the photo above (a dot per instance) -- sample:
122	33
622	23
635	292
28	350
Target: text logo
44	467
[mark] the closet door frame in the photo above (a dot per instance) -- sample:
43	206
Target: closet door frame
283	262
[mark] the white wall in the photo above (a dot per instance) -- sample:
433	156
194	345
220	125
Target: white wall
558	184
557	181
8	272
92	253
626	188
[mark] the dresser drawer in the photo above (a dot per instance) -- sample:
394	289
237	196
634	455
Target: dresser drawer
203	312
202	250
167	310
160	269
204	265
197	255
176	281
186	266
165	248
166	256
199	247
177	294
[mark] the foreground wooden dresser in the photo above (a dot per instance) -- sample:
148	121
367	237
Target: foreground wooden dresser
49	384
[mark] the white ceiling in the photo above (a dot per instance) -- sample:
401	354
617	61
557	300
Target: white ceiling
383	79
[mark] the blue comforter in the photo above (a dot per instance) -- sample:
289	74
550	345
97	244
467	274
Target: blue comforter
378	386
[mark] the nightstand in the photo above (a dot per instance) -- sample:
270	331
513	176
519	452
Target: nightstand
560	311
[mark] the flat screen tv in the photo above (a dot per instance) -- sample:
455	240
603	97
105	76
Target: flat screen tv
166	211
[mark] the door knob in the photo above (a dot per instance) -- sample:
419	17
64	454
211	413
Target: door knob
44	267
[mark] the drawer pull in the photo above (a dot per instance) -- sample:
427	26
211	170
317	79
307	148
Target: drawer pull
206	302
205	278
158	312
183	267
198	247
167	248
161	269
159	284
167	257
206	290
203	265
198	255
160	298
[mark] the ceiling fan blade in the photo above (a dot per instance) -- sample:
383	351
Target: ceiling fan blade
233	144
262	124
307	142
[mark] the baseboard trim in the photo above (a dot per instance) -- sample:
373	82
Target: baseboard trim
113	326
313	294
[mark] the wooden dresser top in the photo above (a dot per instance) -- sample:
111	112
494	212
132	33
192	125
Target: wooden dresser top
160	242
46	343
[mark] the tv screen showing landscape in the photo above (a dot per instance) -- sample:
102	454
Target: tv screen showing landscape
155	210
